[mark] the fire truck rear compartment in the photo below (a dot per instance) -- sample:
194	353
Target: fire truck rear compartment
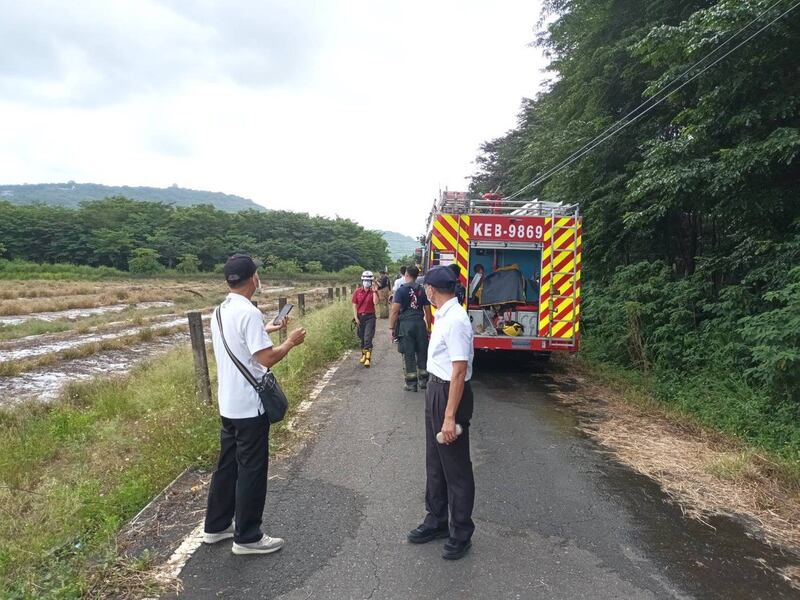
528	260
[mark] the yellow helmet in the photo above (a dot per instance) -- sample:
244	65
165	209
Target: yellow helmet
512	328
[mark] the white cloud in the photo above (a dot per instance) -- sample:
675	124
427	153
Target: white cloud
351	107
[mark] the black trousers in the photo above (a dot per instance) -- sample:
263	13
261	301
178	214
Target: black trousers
366	330
239	484
412	343
450	485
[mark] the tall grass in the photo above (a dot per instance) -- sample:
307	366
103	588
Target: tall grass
23	269
328	335
26	270
72	473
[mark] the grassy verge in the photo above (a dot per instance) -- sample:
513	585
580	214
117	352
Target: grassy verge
722	403
72	473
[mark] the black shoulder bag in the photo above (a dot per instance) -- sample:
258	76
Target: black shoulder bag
273	400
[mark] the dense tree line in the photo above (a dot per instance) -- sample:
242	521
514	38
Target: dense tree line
692	213
123	233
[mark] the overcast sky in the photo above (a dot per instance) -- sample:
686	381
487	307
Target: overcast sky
360	108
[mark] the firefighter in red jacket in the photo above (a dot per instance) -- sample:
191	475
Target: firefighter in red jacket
365	299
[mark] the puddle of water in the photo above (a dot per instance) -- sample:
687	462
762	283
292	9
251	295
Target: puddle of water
718	560
79	313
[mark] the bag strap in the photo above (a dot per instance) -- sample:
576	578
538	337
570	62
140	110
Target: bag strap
242	369
361	302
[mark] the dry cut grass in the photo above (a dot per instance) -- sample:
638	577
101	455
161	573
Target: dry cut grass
22	298
704	472
37	305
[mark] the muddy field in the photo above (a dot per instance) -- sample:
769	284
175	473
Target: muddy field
53	333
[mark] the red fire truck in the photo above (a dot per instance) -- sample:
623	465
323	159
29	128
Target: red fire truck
528	296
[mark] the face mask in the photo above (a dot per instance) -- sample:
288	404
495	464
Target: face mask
366	284
258	289
428	293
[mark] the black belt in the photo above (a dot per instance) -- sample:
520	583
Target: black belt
434	379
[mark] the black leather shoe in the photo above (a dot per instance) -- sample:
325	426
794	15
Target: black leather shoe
423	535
455	549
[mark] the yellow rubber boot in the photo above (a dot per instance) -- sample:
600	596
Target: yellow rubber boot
367	358
363	356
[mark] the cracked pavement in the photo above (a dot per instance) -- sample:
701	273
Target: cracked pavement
554	517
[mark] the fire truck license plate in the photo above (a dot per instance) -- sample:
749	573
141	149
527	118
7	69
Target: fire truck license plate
524	229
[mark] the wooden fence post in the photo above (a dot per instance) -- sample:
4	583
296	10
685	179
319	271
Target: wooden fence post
282	332
301	304
202	379
330	294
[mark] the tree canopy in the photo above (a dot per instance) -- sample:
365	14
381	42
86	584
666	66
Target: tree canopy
692	214
115	231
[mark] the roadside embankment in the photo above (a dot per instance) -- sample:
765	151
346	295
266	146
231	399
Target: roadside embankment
74	471
705	470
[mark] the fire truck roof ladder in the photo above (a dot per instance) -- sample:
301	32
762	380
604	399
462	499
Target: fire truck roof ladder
516	208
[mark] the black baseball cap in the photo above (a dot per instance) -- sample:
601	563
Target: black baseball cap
442	278
239	267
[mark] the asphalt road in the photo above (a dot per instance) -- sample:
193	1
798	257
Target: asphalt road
555	518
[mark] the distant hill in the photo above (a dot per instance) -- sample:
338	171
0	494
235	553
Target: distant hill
71	194
399	245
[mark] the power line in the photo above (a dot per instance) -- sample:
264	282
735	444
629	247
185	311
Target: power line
566	161
613	129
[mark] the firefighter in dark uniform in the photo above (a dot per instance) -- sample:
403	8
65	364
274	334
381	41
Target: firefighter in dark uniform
449	485
409	323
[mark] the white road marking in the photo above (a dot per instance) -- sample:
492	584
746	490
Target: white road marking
171	570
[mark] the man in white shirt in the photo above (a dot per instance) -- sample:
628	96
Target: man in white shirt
449	485
238	488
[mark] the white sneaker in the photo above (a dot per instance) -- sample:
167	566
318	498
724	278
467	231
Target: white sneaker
266	545
213	538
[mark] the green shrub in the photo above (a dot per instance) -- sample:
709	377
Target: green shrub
772	342
144	261
313	266
188	263
351	272
735	371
